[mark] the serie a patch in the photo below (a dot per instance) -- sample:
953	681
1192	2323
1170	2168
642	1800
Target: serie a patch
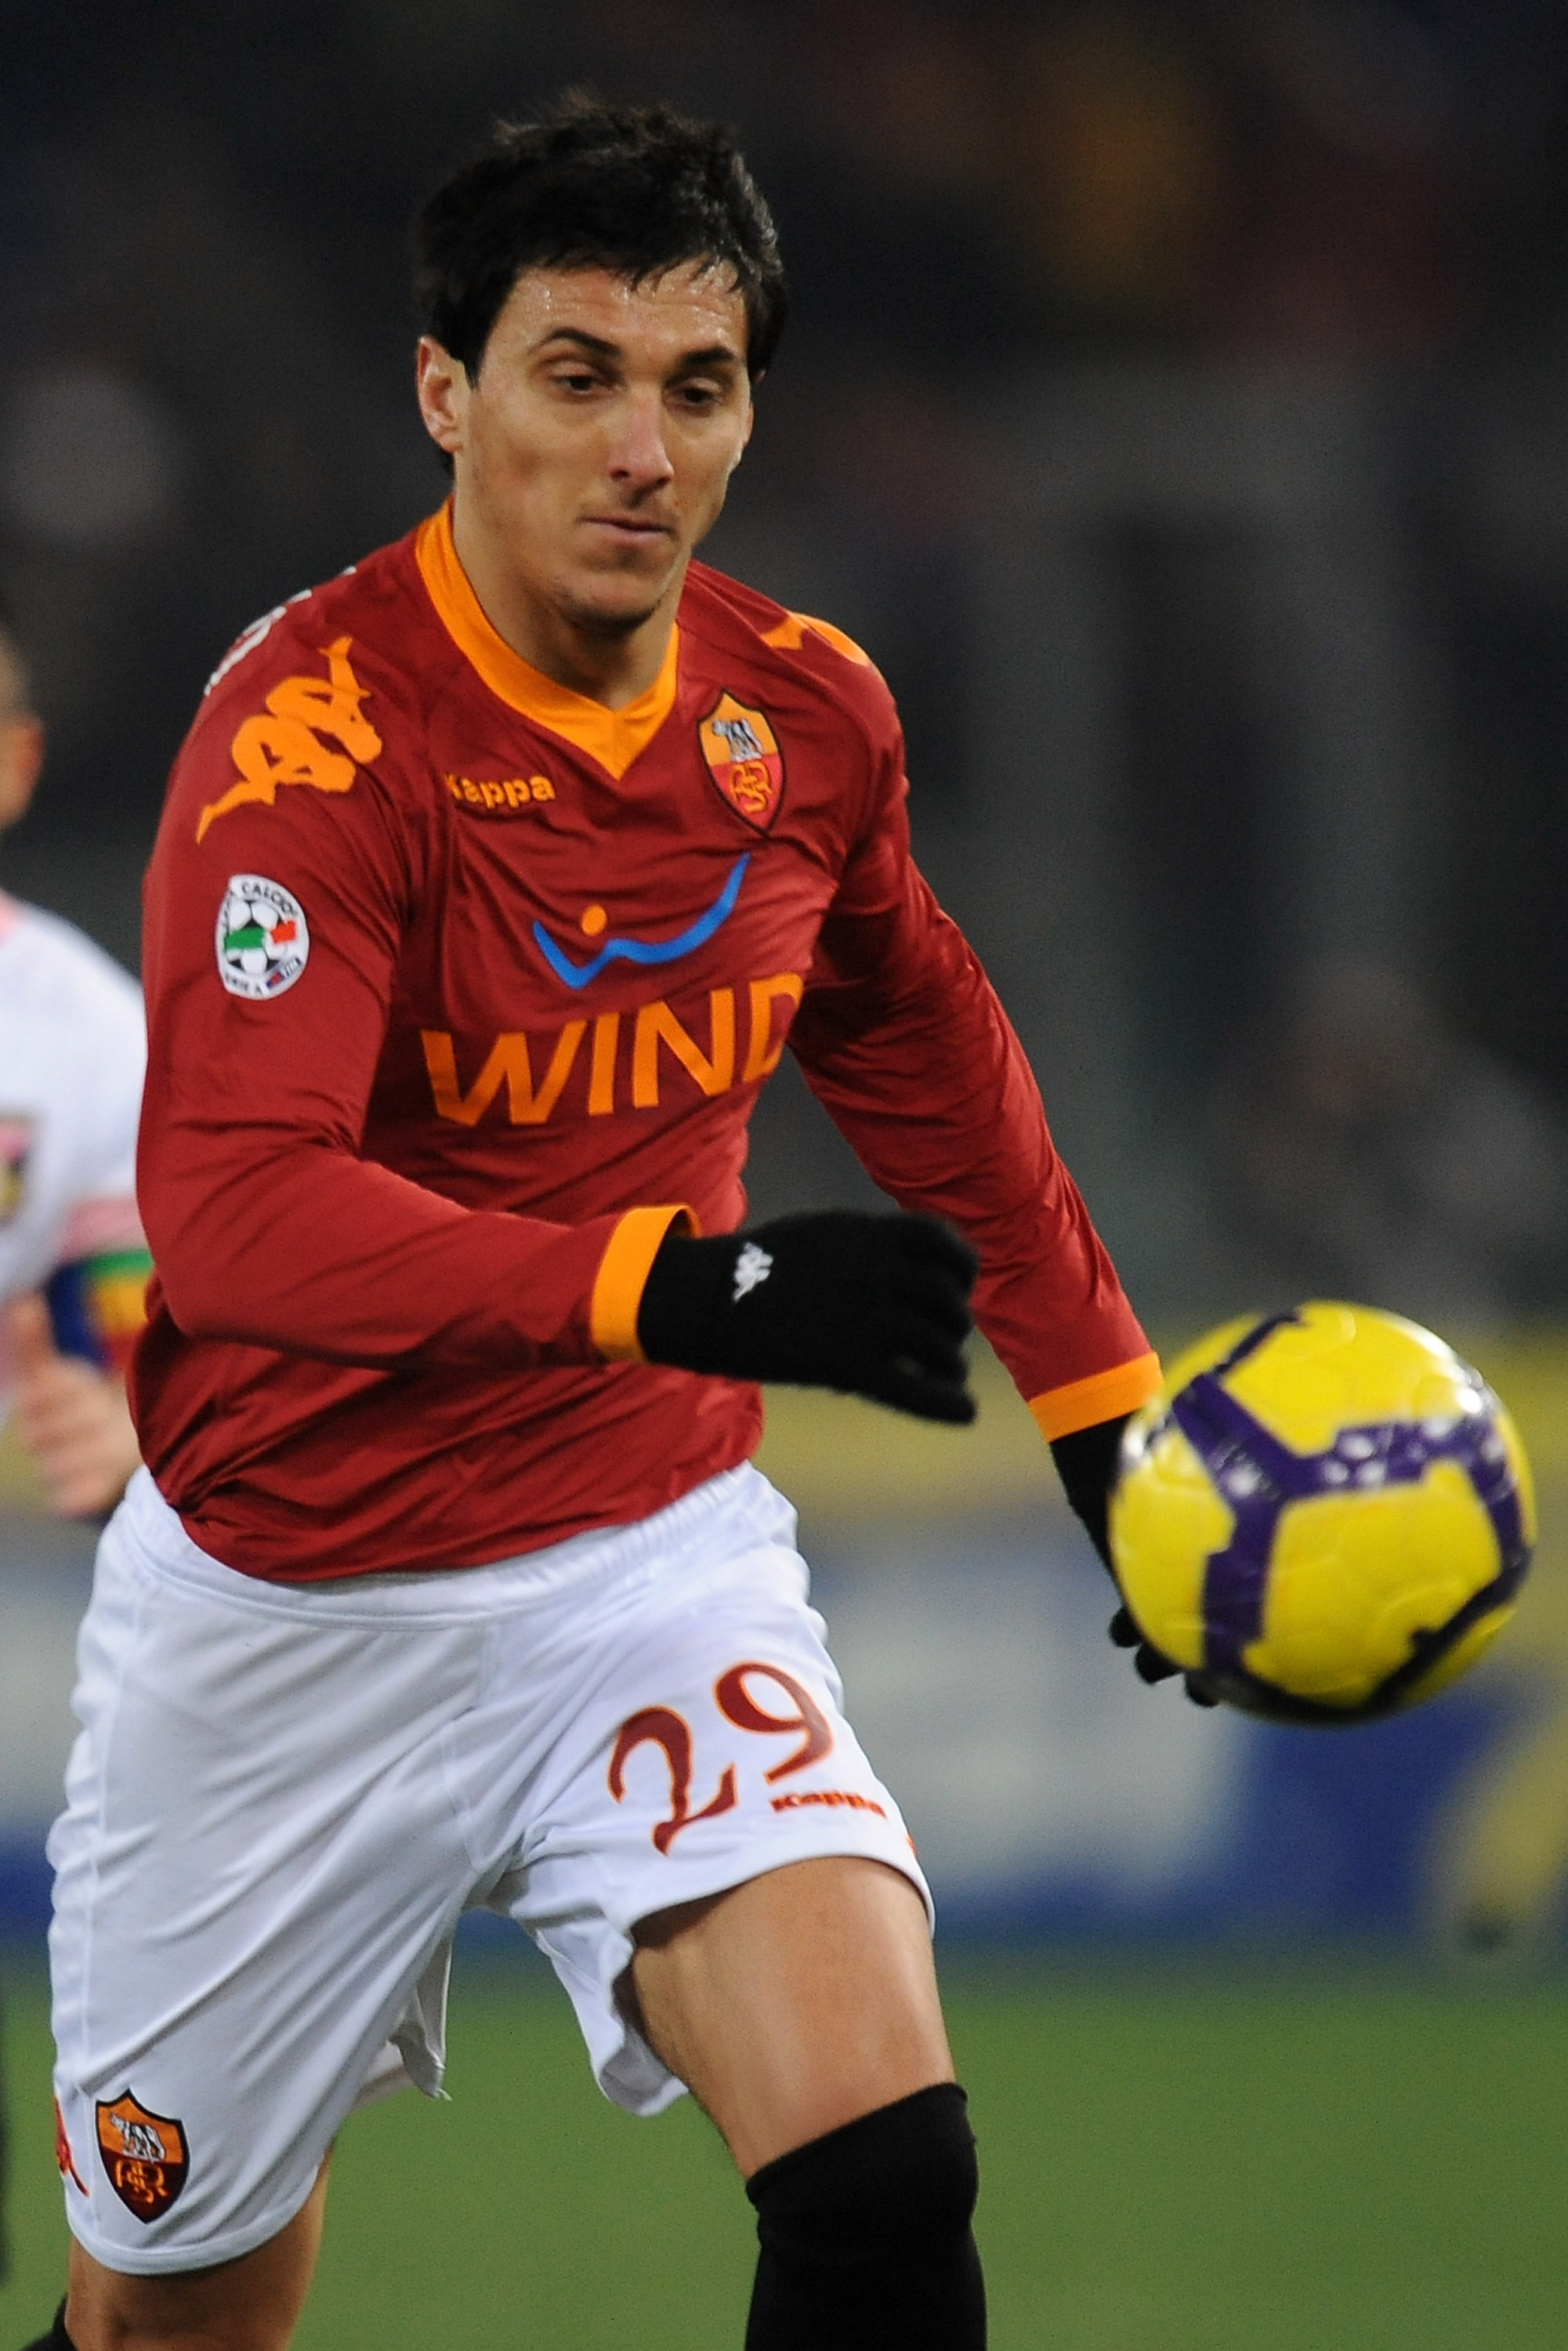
262	941
145	2156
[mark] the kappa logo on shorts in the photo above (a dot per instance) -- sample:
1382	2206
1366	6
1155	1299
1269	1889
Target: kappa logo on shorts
145	2154
63	2156
263	941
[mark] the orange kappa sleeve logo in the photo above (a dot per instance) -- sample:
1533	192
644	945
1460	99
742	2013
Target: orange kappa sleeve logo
289	743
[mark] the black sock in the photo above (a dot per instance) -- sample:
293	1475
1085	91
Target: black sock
57	2340
866	2236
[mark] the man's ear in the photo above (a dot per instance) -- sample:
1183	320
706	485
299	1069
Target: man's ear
441	383
21	758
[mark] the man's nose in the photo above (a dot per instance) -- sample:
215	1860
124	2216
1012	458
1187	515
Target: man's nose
638	456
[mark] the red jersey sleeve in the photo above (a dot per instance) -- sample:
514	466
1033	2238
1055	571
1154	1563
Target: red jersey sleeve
275	905
902	1039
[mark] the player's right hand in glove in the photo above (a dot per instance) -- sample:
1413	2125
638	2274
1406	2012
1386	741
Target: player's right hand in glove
874	1305
1086	1462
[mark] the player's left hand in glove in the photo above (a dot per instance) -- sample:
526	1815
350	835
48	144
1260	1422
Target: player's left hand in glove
1086	1463
1152	1665
874	1305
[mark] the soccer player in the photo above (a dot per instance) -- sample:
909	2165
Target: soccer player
494	878
73	1262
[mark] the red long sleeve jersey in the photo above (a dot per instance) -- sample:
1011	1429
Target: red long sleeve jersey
460	986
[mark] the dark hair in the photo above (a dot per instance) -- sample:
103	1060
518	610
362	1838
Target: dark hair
633	189
14	658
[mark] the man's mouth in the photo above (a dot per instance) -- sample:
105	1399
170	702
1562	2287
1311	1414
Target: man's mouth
631	530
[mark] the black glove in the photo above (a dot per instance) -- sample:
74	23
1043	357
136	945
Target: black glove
1152	1665
1086	1462
874	1305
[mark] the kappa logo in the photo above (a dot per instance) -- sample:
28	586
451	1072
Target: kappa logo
64	2158
499	795
752	1266
284	744
263	941
743	761
642	951
145	2154
16	1136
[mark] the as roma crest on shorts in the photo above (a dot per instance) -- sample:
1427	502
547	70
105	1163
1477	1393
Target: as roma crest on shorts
15	1146
145	2154
743	761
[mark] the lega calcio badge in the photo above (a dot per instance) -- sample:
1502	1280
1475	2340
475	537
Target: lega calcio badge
263	940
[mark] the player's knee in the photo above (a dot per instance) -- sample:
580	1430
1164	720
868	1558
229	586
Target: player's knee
904	2179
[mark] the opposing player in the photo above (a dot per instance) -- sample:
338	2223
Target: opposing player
494	878
73	1263
73	1260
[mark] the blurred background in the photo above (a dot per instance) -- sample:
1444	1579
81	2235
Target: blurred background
1177	408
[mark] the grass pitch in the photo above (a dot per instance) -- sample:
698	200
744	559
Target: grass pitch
1172	2163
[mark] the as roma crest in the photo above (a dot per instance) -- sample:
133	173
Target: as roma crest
743	761
145	2154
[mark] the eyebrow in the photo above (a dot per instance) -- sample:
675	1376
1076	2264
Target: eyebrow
595	343
711	355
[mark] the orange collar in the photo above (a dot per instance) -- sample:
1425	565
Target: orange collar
613	737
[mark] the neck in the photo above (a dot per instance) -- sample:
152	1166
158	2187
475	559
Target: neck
612	667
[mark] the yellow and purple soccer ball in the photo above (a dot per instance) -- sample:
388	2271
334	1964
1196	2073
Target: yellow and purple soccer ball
1325	1513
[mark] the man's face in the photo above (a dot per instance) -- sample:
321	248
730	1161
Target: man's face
593	449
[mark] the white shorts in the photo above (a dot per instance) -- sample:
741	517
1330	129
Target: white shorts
283	1797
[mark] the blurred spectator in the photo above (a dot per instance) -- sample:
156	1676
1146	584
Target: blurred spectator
1369	1153
73	1261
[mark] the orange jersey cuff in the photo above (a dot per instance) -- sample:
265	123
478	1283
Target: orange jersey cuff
622	1273
1104	1396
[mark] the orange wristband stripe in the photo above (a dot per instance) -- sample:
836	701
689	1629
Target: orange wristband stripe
1101	1396
622	1275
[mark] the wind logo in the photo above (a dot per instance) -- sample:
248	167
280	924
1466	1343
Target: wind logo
643	951
628	1057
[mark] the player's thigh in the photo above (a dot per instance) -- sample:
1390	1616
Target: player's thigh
256	1875
710	1750
249	2304
796	2003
